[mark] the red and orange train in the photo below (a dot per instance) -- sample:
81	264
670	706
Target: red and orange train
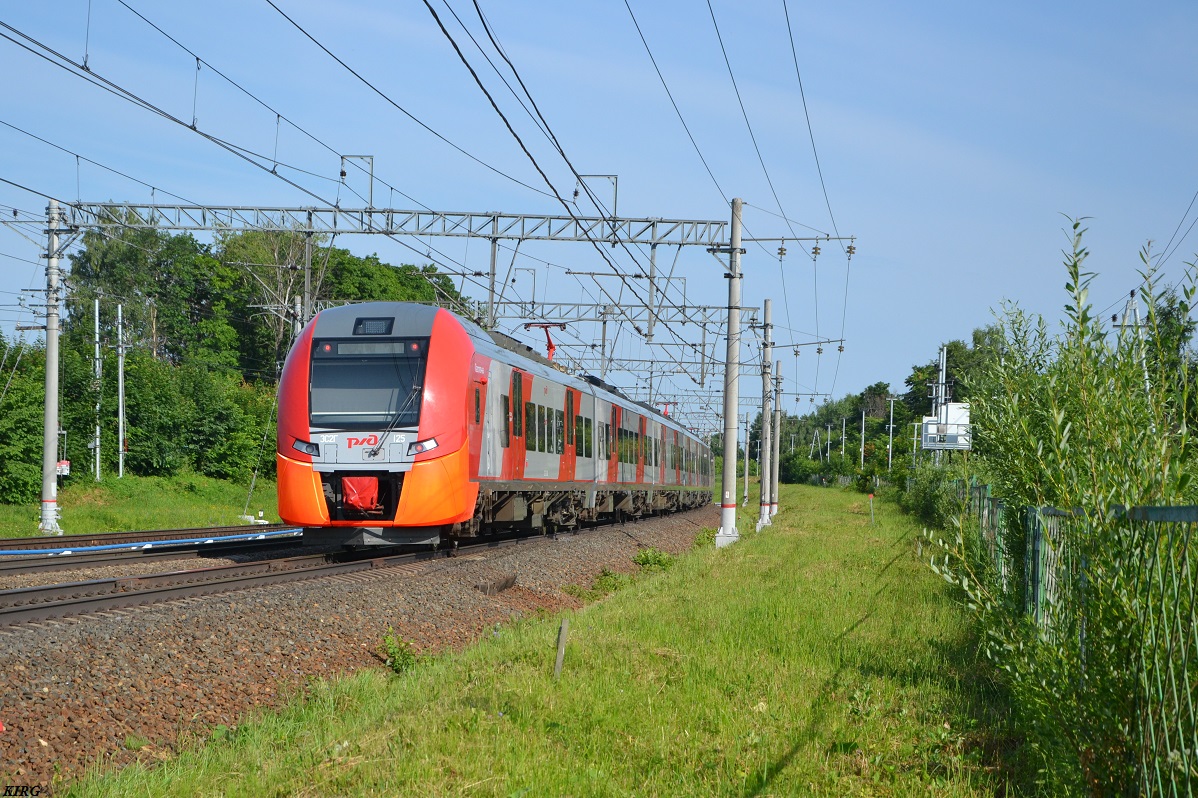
408	424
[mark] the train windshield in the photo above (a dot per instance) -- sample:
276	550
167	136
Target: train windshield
367	384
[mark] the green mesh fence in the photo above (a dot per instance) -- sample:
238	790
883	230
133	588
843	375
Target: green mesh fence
1169	650
1050	581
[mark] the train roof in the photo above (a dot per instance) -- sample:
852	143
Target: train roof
417	319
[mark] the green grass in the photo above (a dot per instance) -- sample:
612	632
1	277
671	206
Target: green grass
144	503
818	657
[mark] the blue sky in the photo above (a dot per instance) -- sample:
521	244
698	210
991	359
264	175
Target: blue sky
954	140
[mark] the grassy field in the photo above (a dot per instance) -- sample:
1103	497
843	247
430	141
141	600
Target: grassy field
143	503
818	657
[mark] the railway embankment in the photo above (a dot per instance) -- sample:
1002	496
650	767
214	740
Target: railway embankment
819	656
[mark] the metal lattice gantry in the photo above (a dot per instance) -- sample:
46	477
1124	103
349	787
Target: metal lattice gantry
494	226
717	237
392	221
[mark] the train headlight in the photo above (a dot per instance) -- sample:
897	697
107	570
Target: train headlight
419	447
307	447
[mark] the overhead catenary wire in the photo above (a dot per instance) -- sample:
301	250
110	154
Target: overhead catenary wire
507	123
397	106
279	116
265	161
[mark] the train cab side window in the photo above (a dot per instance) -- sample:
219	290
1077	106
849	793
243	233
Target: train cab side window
478	412
505	404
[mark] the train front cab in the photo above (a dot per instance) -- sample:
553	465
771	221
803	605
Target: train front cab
372	445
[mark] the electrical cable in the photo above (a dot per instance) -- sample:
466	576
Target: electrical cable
525	149
278	115
807	116
396	105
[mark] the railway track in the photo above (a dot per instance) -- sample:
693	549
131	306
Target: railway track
49	602
133	538
39	563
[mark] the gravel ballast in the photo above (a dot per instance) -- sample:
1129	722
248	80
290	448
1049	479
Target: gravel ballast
135	684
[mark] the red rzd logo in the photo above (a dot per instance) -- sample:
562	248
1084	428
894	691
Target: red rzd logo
370	440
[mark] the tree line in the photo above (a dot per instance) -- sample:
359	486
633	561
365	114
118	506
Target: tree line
813	445
205	328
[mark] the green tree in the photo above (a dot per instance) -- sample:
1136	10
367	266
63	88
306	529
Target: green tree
21	393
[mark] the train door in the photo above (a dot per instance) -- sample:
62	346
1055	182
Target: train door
571	423
513	433
642	450
615	454
476	411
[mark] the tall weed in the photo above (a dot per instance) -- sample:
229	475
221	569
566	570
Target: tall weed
1092	419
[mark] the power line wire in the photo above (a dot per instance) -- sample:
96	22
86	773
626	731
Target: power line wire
396	105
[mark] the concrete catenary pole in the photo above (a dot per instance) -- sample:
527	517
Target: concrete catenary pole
728	533
776	460
49	515
890	445
98	375
120	391
767	395
863	439
491	274
308	272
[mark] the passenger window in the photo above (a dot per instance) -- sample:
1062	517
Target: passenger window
530	426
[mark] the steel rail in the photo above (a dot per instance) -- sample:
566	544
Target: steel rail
49	602
75	562
147	536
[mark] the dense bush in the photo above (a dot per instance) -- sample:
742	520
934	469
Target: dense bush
1092	419
930	493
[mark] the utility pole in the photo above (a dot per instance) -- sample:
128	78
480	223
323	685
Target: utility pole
777	455
96	372
829	444
747	417
890	445
941	394
863	440
49	515
842	437
491	274
766	444
728	532
120	391
308	272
